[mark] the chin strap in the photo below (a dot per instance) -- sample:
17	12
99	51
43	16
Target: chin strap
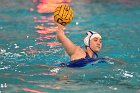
94	53
92	49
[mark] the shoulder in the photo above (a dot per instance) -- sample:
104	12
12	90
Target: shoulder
79	49
78	54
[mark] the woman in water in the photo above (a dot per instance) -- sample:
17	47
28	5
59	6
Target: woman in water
80	57
93	43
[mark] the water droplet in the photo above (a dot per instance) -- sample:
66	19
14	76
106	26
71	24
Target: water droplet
77	23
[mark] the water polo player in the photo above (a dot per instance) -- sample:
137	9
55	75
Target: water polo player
63	15
80	57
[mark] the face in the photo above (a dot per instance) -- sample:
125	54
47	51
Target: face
96	44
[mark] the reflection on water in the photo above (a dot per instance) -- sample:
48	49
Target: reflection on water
48	6
47	32
45	27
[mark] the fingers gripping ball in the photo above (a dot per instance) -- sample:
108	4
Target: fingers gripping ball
63	14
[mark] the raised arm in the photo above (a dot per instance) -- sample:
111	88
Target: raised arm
68	45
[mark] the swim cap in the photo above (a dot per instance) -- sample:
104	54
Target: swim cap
90	35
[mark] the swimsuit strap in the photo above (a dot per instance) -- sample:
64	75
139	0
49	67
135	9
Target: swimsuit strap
87	56
95	54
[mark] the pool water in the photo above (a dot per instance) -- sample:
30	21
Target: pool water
28	47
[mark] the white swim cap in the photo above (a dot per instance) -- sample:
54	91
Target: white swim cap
91	35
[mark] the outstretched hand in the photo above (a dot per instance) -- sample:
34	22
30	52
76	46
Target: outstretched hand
60	27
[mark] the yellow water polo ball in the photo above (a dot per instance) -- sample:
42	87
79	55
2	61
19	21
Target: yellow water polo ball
63	14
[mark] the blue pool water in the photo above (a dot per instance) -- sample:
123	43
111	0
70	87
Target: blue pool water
24	47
